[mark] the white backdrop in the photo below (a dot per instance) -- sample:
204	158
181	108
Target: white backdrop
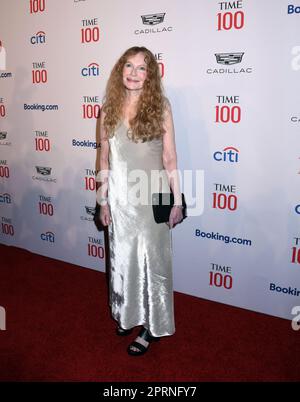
231	70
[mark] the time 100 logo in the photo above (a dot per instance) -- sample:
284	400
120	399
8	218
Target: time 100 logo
230	19
37	6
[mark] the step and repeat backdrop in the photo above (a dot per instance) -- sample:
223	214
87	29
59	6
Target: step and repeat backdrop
231	70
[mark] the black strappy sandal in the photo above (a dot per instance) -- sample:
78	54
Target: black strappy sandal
144	334
123	332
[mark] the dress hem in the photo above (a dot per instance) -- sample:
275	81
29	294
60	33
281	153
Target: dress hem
144	325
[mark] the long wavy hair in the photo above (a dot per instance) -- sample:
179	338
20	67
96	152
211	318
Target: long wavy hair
148	121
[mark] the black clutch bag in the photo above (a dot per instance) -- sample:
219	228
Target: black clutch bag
162	204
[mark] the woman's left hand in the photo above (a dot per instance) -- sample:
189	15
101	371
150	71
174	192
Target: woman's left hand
176	216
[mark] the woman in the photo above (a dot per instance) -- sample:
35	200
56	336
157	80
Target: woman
137	136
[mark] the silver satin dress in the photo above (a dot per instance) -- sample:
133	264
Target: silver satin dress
140	275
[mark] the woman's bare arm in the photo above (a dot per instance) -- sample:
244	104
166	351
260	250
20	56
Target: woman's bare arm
170	155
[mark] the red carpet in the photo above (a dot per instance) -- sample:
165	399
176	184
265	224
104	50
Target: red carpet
59	328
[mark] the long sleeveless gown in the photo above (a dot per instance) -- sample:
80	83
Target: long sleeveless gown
140	275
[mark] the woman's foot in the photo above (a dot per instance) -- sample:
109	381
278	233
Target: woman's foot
123	332
141	344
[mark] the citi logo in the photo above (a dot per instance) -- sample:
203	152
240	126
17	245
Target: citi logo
5	198
153	19
293	9
229	154
229	58
92	70
48	236
38	38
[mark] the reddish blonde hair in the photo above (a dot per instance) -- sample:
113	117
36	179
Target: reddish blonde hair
148	121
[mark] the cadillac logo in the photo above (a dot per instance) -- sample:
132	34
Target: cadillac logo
5	198
45	171
153	19
229	58
90	210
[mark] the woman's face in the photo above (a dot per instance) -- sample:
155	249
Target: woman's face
135	72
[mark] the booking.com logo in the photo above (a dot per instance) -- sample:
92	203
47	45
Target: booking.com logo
293	9
2	57
139	187
2	319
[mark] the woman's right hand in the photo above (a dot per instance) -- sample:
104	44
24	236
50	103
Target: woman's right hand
105	217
